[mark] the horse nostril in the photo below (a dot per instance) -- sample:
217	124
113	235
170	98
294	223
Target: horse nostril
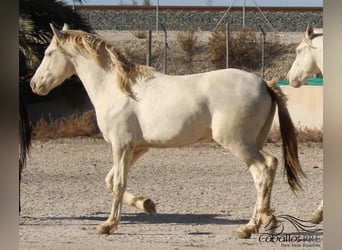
32	84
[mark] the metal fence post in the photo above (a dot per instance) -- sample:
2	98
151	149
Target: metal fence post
227	45
262	52
149	48
165	48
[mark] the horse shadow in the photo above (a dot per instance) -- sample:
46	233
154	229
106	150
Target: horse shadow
142	218
186	219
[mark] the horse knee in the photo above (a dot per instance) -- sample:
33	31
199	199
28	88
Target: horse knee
271	161
119	190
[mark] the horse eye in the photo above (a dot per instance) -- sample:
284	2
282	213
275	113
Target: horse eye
48	53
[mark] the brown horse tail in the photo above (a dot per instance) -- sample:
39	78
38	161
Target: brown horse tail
292	167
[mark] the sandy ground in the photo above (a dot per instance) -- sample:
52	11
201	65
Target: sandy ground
203	194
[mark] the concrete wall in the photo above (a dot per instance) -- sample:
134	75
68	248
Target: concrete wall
305	105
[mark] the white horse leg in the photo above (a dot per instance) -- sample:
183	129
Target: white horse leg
122	161
140	202
263	168
317	215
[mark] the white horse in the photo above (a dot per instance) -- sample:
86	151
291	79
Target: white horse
138	108
309	58
308	62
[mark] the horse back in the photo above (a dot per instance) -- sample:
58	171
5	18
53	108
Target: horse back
185	109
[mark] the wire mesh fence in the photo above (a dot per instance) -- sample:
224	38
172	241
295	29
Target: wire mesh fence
192	51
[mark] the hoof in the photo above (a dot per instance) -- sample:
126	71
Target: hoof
149	206
105	228
246	231
316	218
241	234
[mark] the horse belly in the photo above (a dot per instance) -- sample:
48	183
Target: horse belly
179	128
177	138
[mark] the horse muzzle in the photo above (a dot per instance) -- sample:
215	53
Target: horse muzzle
295	83
39	90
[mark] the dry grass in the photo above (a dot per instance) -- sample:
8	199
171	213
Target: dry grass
85	125
304	135
72	126
217	49
140	33
245	49
187	40
242	52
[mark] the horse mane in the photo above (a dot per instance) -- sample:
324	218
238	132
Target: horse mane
108	57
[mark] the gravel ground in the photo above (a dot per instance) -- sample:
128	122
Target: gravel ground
202	193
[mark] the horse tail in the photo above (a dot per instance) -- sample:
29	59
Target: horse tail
25	134
292	167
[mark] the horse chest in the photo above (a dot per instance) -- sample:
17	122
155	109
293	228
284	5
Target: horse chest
113	121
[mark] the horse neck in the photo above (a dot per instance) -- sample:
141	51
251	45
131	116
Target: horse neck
319	62
99	83
318	52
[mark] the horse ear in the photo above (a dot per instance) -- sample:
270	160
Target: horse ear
309	31
65	27
56	32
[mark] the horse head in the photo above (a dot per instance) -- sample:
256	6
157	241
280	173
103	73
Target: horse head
55	67
309	58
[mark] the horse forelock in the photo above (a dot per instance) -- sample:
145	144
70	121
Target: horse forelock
107	57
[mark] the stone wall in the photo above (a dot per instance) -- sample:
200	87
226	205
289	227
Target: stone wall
284	21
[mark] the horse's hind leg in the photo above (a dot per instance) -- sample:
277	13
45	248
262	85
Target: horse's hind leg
263	168
140	202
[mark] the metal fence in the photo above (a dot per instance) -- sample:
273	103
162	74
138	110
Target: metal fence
163	50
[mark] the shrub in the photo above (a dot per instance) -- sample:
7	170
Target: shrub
187	40
71	126
140	34
304	135
217	49
244	49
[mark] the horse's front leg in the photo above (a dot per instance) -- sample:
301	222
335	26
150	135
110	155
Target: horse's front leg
122	162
